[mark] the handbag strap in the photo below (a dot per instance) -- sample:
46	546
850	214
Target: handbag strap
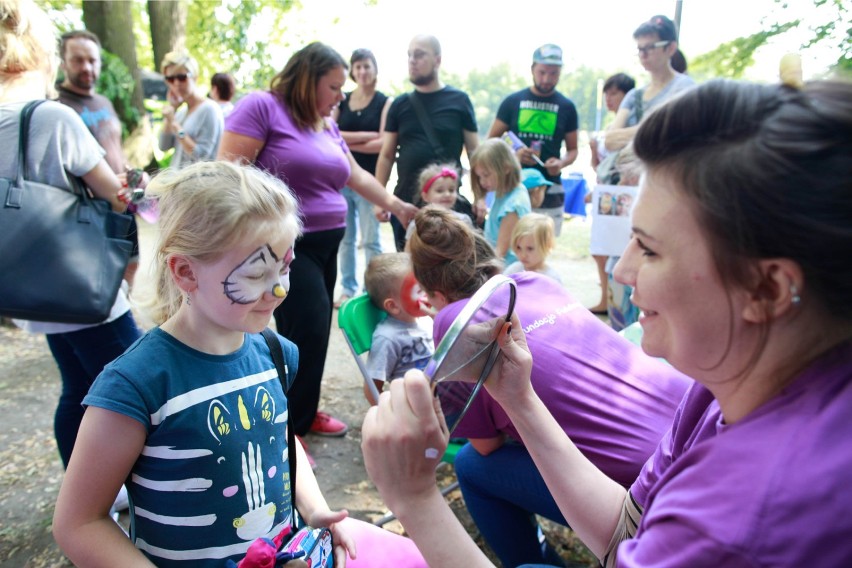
640	104
23	139
417	104
76	183
278	358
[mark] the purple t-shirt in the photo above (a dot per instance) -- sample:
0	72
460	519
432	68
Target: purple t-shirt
614	401
771	490
314	164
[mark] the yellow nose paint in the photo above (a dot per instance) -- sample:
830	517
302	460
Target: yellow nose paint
278	291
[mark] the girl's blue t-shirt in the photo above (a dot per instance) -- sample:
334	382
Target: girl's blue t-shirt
214	472
516	201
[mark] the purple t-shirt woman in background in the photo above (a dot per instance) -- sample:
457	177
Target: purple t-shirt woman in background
288	132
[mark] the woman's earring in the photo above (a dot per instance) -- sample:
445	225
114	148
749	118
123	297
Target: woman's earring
794	293
188	302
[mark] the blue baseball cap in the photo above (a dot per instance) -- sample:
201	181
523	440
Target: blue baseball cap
532	178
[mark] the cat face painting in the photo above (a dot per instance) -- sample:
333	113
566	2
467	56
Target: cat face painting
262	271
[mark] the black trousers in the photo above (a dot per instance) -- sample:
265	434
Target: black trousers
304	318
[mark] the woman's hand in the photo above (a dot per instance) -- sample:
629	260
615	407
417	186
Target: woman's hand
405	212
510	378
344	544
382	216
403	439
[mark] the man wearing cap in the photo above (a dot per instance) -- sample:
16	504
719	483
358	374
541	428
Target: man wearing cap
450	124
542	118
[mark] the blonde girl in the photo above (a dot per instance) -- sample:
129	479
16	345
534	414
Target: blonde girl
532	241
196	403
495	168
438	185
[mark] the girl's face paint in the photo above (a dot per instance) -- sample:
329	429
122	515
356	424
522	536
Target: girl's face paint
262	271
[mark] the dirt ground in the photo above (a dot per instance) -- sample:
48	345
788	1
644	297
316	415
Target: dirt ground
31	472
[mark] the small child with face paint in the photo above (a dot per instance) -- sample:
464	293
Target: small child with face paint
439	185
532	241
400	343
193	416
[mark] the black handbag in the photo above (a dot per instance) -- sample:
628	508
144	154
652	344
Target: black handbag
62	252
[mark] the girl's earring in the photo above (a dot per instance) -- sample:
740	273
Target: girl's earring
794	293
188	301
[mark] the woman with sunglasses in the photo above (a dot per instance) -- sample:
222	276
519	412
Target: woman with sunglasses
192	123
615	409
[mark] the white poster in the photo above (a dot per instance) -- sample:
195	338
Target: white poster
611	207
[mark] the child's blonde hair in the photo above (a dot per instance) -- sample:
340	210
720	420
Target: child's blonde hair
496	156
205	210
539	227
384	275
434	172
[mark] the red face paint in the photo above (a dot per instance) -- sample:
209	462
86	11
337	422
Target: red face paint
414	300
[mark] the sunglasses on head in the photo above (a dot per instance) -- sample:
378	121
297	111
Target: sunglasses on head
179	77
646	49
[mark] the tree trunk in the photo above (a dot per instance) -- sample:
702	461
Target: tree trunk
168	27
112	21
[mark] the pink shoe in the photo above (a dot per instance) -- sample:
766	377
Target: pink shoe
326	425
311	461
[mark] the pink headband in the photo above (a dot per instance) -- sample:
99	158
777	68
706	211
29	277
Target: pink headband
445	173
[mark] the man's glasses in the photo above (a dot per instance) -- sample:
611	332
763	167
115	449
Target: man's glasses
644	49
179	77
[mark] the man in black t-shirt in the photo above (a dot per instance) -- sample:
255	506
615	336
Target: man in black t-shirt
450	114
542	118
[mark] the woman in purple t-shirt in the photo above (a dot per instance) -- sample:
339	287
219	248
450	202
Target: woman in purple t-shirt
288	132
739	263
615	409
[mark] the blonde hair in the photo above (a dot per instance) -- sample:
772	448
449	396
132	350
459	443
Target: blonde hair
496	156
27	40
205	210
179	59
448	256
384	275
539	227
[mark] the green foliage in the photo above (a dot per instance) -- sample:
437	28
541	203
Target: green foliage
217	35
116	84
732	58
486	89
834	28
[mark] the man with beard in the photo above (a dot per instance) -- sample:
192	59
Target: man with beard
80	52
542	118
450	114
